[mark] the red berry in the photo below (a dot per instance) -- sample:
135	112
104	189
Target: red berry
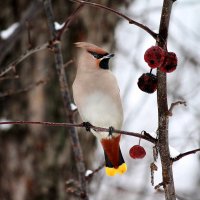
148	83
154	56
170	63
137	152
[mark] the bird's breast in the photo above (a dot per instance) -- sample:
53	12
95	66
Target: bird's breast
101	110
98	100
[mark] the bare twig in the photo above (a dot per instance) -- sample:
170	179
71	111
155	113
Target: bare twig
88	177
131	21
68	63
175	104
9	77
67	100
26	89
158	186
29	14
68	21
146	136
48	45
163	118
29	52
184	154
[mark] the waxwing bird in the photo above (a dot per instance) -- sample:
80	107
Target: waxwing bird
96	94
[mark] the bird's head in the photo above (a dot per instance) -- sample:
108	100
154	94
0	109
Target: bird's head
99	55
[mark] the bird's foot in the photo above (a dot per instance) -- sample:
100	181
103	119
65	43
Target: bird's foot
111	130
87	126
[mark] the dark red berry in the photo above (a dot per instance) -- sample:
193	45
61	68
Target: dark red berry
154	56
148	82
170	63
137	152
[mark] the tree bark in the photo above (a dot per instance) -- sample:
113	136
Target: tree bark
163	116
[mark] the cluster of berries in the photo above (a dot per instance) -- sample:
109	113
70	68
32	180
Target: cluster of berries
156	57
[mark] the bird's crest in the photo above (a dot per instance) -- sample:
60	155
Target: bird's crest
90	47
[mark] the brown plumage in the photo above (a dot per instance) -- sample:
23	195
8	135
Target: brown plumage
90	47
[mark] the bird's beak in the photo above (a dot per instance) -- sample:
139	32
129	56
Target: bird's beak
109	56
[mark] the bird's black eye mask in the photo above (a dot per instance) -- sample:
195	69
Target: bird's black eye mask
96	55
104	59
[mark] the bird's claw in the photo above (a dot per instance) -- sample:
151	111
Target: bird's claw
111	130
87	126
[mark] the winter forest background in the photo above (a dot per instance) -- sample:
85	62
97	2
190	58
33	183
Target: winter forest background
36	161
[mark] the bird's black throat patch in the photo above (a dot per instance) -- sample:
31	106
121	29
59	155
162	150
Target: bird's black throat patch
104	64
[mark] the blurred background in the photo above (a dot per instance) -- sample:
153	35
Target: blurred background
36	161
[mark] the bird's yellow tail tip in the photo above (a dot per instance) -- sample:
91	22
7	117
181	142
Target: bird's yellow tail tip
111	171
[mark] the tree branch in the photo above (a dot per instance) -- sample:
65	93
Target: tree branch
67	100
163	117
175	104
89	177
31	12
69	20
47	45
26	89
29	52
145	135
131	21
184	154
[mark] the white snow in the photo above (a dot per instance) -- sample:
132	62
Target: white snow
73	106
5	126
58	26
9	31
88	172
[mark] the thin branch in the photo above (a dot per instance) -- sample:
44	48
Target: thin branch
69	21
89	177
26	89
67	63
67	100
131	21
29	52
47	45
145	135
29	14
158	186
9	77
184	154
175	104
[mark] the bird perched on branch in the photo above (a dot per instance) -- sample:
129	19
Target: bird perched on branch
97	97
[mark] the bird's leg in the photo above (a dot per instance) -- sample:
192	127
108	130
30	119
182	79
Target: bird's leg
111	130
87	126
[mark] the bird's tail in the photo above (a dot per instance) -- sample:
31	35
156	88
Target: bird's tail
112	170
114	161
